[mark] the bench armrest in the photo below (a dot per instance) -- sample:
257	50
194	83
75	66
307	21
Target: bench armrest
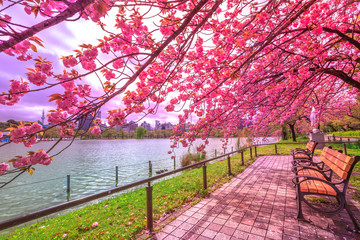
304	151
295	170
296	181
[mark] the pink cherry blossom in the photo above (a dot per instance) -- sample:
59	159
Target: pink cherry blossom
21	162
109	75
18	134
96	130
40	157
4	19
70	61
84	90
68	100
37	78
35	127
57	117
3	168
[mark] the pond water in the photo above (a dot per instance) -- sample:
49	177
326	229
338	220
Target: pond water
91	166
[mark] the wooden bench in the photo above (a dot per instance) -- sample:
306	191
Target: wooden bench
314	181
304	155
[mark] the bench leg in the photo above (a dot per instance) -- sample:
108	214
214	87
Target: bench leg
300	215
352	217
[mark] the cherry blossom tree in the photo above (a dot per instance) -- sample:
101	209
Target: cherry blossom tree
222	62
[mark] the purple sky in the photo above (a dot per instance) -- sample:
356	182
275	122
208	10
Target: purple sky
59	40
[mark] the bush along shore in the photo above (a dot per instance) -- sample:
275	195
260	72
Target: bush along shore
124	216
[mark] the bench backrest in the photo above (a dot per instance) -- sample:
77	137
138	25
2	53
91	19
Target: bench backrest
311	146
339	163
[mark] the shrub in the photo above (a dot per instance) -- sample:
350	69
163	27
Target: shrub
190	158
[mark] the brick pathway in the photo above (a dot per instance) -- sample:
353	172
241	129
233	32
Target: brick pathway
258	204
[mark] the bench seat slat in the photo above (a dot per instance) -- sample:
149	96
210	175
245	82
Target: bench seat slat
313	186
301	156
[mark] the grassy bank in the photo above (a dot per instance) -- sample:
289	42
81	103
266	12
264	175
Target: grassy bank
347	133
124	216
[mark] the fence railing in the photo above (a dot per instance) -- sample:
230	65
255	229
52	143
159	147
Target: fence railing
349	138
149	216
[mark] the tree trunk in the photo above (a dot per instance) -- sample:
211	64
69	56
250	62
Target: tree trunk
292	129
283	132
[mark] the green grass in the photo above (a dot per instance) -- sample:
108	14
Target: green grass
317	200
347	133
124	216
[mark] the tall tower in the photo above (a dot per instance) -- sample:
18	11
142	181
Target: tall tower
43	117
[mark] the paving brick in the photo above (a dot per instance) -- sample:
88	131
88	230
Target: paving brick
168	229
214	226
178	232
258	231
259	203
255	237
231	223
227	230
190	236
209	233
241	235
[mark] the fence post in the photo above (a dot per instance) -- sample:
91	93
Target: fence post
116	175
68	187
150	169
224	151
255	152
328	139
242	157
174	163
232	149
229	165
276	149
149	208
215	152
333	137
348	139
204	177
250	152
345	151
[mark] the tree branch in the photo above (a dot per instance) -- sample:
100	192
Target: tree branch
343	76
67	13
343	36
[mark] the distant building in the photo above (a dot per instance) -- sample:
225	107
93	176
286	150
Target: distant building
163	126
146	125
157	125
166	126
131	126
85	124
43	117
117	127
102	127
